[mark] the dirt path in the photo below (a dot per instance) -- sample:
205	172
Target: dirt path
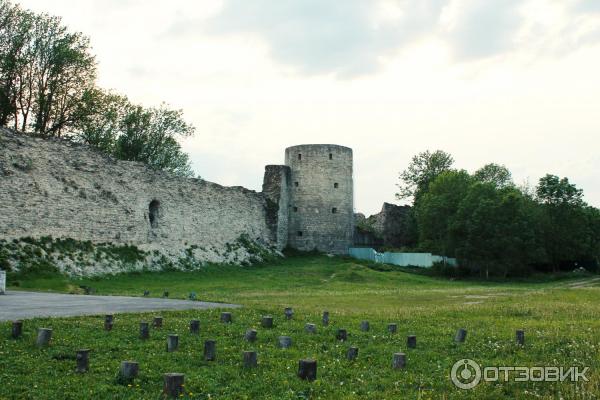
583	283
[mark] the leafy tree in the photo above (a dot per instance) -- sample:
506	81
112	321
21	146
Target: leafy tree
498	175
592	246
554	191
99	118
491	230
16	31
150	136
563	220
422	170
64	70
44	71
436	210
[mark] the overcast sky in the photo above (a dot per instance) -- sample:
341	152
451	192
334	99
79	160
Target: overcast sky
516	82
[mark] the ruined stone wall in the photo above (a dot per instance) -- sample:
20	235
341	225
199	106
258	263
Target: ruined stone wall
54	188
321	198
276	191
389	228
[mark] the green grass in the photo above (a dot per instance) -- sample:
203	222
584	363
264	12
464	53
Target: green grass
561	324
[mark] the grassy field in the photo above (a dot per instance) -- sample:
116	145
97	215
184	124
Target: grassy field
560	319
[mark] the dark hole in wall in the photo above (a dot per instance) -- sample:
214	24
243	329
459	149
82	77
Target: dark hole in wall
335	185
330	156
299	233
299	156
154	213
334	210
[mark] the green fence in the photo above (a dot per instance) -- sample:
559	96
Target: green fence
424	260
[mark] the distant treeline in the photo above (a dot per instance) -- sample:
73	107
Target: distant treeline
48	87
495	227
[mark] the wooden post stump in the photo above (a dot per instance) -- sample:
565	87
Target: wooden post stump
325	318
285	342
289	313
144	330
129	371
249	359
341	334
226	317
310	328
399	361
307	370
195	327
461	336
392	328
173	386
44	336
172	343
108	322
146	293
83	360
520	335
157	322
210	350
17	329
267	321
250	335
364	326
411	341
352	353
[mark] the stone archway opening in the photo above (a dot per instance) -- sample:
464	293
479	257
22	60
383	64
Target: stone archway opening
154	213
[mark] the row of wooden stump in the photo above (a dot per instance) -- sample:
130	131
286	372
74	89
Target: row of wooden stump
173	382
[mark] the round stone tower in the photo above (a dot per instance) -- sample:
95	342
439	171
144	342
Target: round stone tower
321	198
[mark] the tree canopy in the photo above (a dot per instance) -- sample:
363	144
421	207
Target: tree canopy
422	170
495	228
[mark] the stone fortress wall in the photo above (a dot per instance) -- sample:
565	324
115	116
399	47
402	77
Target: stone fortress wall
321	197
51	187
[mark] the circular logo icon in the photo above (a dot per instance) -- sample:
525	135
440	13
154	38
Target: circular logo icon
465	374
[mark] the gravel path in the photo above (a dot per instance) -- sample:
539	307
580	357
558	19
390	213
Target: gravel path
24	305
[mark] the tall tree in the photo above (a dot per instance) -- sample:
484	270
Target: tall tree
497	175
437	208
64	70
564	225
99	118
491	230
422	170
150	136
44	71
16	33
